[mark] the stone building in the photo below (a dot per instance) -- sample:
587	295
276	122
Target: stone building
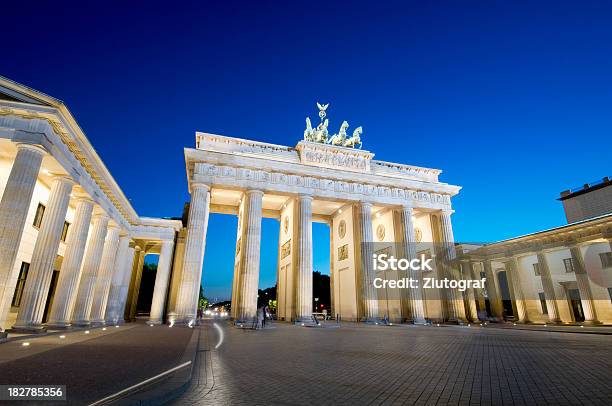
562	275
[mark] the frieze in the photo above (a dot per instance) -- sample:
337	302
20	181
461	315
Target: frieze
323	184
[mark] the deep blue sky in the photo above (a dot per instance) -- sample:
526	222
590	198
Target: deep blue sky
513	100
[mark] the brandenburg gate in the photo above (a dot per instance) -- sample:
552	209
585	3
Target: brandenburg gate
322	179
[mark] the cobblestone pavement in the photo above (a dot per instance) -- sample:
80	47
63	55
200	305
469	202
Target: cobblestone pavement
373	365
96	367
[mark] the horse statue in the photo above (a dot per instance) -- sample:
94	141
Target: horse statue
320	134
338	139
354	139
308	132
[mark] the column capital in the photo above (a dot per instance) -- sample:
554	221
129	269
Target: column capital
100	216
254	192
198	185
60	177
112	225
407	208
305	197
365	204
32	147
82	198
446	212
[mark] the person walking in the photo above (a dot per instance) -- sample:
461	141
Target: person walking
260	317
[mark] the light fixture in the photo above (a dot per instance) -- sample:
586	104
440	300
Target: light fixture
103	328
86	331
117	326
45	171
340	211
26	344
62	336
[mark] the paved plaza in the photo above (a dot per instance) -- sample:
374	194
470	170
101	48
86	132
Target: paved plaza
94	365
351	364
400	365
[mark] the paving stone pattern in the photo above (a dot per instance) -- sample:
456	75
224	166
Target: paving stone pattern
294	365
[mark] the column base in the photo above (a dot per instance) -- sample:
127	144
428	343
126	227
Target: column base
419	321
306	322
82	323
456	322
3	336
558	322
154	322
58	325
28	329
373	321
245	323
98	323
591	323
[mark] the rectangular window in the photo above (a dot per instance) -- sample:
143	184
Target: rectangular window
606	259
569	265
536	269
543	303
40	212
65	231
23	274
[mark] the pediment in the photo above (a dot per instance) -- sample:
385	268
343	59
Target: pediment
15	92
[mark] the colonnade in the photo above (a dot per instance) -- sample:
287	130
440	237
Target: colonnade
511	266
247	260
94	276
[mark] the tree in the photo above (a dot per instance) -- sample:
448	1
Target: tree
202	300
321	291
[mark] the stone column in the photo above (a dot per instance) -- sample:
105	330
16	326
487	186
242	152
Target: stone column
492	293
89	272
36	288
303	287
132	303
456	311
118	317
195	243
478	293
369	297
549	289
105	275
14	208
471	292
111	314
162	278
70	273
405	236
584	286
512	270
249	267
